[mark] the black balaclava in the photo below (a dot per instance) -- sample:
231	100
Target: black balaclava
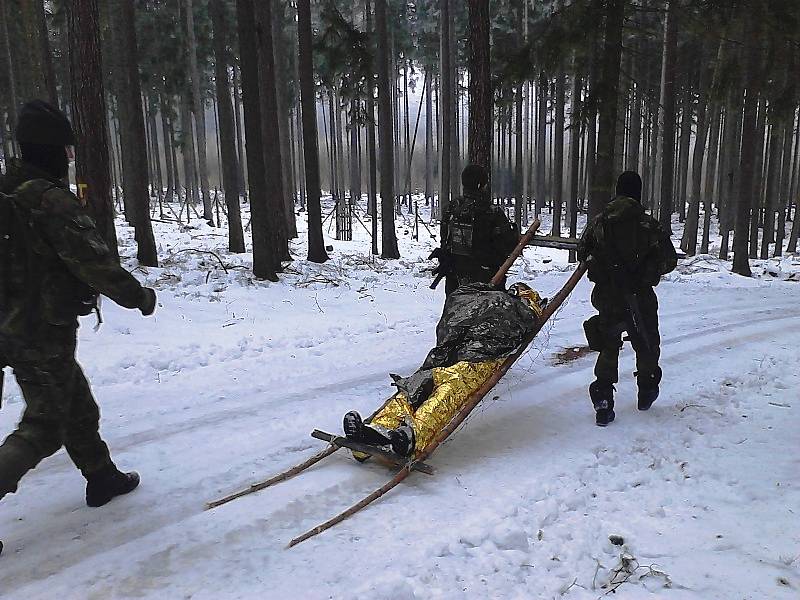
50	159
473	177
630	184
42	133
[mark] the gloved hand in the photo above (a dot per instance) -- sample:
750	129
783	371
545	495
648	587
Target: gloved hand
148	305
445	266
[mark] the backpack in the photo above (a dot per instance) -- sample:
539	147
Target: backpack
631	244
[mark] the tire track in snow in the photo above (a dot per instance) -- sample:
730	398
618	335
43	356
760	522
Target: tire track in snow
326	496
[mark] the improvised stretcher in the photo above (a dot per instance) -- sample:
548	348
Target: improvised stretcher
484	377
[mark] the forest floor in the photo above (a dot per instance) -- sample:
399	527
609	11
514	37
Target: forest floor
223	385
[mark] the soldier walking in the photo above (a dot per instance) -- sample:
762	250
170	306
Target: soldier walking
53	266
627	252
479	236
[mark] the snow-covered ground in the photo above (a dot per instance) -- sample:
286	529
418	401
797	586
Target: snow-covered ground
222	386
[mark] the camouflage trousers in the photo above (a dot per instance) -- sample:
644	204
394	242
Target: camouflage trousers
60	411
607	328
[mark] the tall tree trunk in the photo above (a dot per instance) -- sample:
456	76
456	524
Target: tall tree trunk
227	128
711	169
199	113
574	159
272	156
480	85
92	171
428	135
168	164
603	173
773	187
385	131
761	149
747	182
373	159
237	115
7	70
683	157
689	240
558	166
266	261
316	242
541	144
668	72
281	85
446	101
785	184
134	161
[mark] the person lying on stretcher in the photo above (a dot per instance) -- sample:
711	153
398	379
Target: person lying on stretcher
480	327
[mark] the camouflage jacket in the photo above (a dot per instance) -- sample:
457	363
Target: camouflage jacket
624	243
479	237
53	262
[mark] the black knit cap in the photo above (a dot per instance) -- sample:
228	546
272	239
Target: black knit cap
473	176
630	184
43	124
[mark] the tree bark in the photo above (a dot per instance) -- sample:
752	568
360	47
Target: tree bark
134	140
558	166
316	243
281	85
480	85
385	131
92	169
446	101
371	151
602	185
266	261
227	127
689	240
199	113
574	161
668	72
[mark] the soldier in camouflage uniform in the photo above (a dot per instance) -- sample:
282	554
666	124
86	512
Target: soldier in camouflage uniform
479	236
627	252
53	265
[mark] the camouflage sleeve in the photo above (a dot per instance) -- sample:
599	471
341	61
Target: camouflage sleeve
506	234
586	242
72	233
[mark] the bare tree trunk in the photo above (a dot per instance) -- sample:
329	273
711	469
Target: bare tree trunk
428	135
199	113
480	85
92	172
668	72
603	174
134	160
773	187
711	170
574	159
558	166
281	85
689	240
446	101
227	128
541	145
316	243
385	131
266	261
784	185
237	114
7	70
683	157
373	162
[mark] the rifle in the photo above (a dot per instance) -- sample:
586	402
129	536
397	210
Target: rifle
635	323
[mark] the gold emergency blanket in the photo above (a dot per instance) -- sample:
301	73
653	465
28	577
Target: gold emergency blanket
452	388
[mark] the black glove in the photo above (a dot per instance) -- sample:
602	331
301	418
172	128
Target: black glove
148	305
445	266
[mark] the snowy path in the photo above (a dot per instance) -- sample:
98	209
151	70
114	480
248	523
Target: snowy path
223	386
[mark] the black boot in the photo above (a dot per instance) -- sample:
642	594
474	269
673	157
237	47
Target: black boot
602	395
648	388
403	440
108	483
355	429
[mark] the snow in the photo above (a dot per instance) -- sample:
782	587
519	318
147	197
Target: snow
222	386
